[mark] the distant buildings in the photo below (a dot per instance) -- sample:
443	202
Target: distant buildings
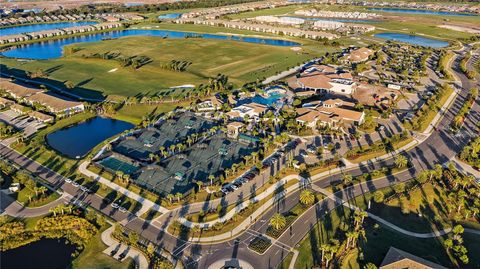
279	20
58	32
335	14
256	27
211	104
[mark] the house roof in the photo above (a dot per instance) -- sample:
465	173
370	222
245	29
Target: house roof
235	124
40	116
316	81
343	113
399	259
360	55
4	101
17	89
53	102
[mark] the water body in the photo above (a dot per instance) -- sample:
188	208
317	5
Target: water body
413	39
77	140
170	16
420	11
41	27
53	48
42	254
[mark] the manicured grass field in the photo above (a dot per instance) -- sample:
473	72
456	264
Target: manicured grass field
92	257
242	62
135	113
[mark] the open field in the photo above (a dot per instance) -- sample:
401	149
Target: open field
242	62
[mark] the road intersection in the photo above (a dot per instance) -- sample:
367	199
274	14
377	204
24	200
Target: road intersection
440	147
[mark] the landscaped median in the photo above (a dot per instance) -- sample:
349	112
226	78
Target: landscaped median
238	218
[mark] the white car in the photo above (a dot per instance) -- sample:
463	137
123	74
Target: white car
68	180
75	184
83	188
115	205
122	209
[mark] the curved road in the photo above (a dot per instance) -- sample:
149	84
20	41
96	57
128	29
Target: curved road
439	148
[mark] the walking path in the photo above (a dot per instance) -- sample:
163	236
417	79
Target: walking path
15	209
115	249
342	202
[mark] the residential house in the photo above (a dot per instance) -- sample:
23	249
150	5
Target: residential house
334	113
322	79
358	55
399	259
17	91
249	112
233	129
18	108
5	102
41	117
56	104
211	104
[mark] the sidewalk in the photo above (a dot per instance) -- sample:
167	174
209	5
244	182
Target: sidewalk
340	201
465	168
146	204
248	221
115	249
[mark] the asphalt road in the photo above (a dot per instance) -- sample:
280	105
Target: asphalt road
440	147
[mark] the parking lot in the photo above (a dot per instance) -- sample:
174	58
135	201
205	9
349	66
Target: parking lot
24	123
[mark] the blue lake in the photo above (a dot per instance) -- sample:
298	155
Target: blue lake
77	140
170	16
41	27
420	11
413	39
53	48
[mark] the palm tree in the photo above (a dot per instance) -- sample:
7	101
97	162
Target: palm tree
359	218
42	189
347	179
199	185
211	178
54	211
170	197
278	221
126	177
178	196
307	197
324	248
401	161
351	238
119	174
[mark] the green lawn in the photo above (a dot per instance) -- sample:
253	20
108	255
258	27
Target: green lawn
92	257
242	62
135	113
428	200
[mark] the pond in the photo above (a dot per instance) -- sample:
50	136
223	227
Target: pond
170	16
53	48
420	11
77	140
41	27
43	254
413	39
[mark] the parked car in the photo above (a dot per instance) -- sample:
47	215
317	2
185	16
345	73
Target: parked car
122	209
83	188
68	180
75	184
117	204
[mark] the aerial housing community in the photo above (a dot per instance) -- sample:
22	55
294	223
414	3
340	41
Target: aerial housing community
240	134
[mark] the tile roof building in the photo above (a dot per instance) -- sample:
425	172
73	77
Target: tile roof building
252	111
358	55
399	259
322	79
332	113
